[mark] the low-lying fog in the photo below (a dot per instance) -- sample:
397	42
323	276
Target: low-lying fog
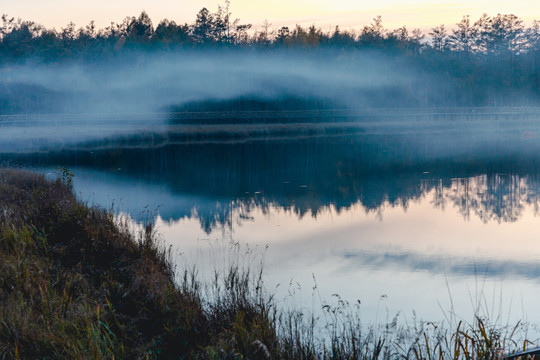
154	83
44	106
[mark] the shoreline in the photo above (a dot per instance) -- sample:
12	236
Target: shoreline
89	287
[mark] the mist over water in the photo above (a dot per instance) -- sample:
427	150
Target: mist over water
136	92
150	94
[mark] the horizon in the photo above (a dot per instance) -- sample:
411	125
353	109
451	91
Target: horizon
346	14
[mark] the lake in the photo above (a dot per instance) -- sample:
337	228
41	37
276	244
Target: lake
428	215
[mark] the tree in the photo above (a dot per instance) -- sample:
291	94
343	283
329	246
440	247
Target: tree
341	38
168	33
374	34
310	37
532	35
264	37
401	34
202	30
500	35
482	30
69	34
439	38
20	39
283	37
463	38
240	35
220	25
506	34
140	30
7	25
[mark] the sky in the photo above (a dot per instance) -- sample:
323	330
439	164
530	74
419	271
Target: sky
326	14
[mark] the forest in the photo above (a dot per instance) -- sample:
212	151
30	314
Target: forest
504	37
490	61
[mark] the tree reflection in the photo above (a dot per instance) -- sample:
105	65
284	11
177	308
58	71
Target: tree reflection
307	177
492	197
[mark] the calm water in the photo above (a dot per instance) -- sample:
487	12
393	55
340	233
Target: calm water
401	221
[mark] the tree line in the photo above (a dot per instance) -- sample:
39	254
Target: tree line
502	35
491	61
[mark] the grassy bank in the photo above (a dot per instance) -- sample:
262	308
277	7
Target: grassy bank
77	283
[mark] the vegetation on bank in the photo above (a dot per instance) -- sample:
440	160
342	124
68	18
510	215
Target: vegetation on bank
77	283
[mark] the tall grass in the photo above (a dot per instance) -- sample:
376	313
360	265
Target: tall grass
76	282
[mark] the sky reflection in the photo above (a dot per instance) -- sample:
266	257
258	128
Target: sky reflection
360	255
443	232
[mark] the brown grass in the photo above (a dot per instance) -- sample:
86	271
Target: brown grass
76	283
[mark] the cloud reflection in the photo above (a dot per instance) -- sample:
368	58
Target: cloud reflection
450	265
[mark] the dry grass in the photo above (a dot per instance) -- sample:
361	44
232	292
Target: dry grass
75	283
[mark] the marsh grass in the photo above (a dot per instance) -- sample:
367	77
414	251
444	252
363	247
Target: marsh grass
77	282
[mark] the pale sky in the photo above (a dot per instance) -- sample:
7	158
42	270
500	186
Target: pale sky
324	13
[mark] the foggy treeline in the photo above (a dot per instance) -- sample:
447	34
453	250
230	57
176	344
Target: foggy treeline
491	61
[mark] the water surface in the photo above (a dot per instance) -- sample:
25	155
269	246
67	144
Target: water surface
432	218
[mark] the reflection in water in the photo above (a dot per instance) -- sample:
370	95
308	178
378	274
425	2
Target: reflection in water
490	180
448	265
493	197
390	214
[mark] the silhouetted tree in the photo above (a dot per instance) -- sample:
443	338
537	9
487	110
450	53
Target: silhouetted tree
463	38
7	25
68	35
312	37
169	33
506	34
140	30
220	25
342	39
439	38
373	35
240	35
283	37
19	37
202	30
532	35
265	36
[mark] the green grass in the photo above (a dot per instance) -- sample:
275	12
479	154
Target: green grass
77	283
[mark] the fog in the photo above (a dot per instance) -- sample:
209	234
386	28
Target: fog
47	106
153	83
